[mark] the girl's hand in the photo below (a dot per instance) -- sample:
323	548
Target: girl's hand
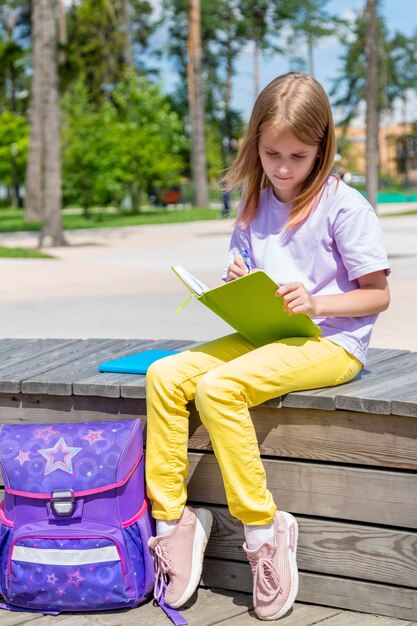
236	269
297	299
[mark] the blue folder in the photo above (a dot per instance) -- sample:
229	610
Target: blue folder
134	363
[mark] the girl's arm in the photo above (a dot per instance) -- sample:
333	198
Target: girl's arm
370	298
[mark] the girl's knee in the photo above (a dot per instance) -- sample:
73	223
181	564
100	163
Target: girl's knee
214	388
160	371
207	388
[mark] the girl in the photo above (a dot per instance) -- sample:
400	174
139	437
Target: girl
322	242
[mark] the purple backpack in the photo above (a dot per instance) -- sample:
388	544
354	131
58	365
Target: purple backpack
74	524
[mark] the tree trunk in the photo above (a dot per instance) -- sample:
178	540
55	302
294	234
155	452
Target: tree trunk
43	176
310	48
372	113
256	63
34	183
196	105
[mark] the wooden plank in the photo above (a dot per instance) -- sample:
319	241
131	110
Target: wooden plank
135	387
207	606
378	554
11	379
346	493
335	436
65	380
407	405
376	355
24	619
360	619
377	398
109	384
381	372
349	493
399	602
61	374
341	436
12	345
300	615
31	408
61	380
28	350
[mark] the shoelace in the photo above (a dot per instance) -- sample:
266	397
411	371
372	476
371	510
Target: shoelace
265	576
162	566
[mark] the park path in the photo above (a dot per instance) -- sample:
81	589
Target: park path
118	283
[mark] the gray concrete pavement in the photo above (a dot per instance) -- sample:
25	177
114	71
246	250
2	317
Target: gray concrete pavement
118	283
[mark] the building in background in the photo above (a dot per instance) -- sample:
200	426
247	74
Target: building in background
397	152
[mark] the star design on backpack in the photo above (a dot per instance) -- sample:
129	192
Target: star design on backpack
51	578
75	578
22	457
45	433
93	436
60	449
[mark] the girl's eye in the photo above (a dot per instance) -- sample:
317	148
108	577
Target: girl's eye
298	157
271	154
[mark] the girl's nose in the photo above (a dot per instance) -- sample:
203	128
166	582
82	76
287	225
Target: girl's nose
283	168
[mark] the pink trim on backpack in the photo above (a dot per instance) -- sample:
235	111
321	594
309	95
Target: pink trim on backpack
137	515
3	518
77	494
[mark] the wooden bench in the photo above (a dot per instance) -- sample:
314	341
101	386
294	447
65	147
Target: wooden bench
343	460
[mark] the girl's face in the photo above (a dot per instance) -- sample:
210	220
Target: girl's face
286	161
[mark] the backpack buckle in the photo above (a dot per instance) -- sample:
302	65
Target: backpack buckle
62	502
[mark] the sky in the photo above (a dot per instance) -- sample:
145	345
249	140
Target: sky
400	15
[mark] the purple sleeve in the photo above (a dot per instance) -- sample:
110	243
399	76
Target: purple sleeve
360	241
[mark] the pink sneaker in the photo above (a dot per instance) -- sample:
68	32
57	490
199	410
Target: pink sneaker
178	556
274	569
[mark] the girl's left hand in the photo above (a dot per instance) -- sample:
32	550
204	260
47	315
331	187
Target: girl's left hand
297	299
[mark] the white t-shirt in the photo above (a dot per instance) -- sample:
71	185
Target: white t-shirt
340	241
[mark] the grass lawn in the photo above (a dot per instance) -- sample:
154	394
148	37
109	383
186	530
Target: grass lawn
12	220
23	253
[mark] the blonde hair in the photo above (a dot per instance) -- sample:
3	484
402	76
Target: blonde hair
298	105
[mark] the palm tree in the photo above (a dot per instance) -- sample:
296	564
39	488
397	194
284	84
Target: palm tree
196	104
372	115
43	175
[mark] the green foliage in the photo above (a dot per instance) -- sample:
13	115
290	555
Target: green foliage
14	139
122	149
404	61
88	147
309	22
23	253
12	220
104	39
349	89
14	57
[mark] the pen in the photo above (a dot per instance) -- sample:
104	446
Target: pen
246	259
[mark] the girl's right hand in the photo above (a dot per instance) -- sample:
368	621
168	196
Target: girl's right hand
237	269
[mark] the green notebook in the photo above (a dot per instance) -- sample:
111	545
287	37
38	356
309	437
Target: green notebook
248	304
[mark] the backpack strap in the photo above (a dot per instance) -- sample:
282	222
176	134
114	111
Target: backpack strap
176	618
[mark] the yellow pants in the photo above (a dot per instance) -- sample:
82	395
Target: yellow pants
226	377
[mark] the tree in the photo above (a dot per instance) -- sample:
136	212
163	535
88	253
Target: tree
43	174
196	104
257	14
222	37
14	41
350	87
124	148
14	135
104	39
310	21
404	59
372	113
